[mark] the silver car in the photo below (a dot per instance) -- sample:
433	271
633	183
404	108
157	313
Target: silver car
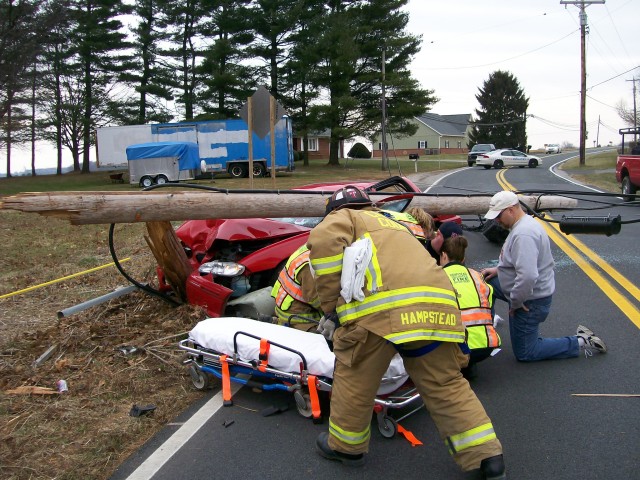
506	157
553	148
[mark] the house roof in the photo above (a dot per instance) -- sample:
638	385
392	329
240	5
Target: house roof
449	125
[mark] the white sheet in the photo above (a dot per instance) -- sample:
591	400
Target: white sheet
217	334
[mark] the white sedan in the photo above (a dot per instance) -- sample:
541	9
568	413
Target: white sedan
506	157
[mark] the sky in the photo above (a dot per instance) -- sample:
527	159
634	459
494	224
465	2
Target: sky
538	42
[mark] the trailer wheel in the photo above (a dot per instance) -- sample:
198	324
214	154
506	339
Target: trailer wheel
303	404
238	170
161	179
259	170
146	181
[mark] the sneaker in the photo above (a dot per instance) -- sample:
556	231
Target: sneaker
493	468
590	339
322	445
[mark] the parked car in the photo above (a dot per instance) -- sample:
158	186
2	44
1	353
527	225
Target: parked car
478	149
507	158
553	148
235	260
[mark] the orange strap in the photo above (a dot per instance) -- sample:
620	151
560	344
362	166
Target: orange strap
264	354
409	436
226	382
313	396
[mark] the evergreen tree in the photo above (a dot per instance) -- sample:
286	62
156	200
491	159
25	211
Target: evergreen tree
501	118
227	81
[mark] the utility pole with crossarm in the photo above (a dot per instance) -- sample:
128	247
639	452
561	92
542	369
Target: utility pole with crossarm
582	4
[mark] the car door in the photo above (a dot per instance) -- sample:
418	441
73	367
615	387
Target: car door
519	158
506	157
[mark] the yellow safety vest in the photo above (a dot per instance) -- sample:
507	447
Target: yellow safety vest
475	297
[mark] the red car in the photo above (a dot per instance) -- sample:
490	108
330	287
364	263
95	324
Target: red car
235	260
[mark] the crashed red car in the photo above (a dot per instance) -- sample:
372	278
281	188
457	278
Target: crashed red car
236	261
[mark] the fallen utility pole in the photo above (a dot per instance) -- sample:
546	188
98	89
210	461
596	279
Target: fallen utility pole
84	208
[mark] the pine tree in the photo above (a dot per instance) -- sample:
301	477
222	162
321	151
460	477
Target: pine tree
501	118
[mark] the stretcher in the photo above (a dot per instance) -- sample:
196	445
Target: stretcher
267	356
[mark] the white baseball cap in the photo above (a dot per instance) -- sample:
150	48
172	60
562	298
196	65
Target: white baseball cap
499	202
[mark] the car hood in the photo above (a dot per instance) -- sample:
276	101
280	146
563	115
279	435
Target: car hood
199	235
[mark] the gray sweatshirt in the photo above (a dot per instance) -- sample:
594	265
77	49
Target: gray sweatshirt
525	268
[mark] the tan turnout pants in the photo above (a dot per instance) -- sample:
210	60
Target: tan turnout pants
361	361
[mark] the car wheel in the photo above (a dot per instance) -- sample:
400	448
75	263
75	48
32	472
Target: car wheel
146	181
238	170
259	170
628	190
533	163
498	164
487	167
470	163
161	179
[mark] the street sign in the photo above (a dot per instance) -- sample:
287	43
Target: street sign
260	112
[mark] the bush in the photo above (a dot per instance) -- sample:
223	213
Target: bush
359	151
297	156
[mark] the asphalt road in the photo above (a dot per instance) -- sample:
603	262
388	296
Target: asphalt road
546	431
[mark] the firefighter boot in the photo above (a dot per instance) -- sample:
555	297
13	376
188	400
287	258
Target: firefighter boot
322	445
493	468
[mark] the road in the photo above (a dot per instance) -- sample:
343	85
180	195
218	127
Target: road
546	431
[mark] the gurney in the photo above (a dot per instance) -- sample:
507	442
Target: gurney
267	356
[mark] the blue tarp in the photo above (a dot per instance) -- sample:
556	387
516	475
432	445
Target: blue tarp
187	152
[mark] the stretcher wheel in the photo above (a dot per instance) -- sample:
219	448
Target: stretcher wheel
303	404
387	426
201	380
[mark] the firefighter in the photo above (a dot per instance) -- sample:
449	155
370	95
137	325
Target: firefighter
414	314
475	299
297	303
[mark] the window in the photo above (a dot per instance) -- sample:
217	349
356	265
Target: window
459	144
313	144
422	144
446	144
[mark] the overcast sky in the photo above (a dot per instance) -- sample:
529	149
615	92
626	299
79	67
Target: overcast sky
538	41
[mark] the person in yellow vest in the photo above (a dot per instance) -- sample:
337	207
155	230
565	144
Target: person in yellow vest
475	299
396	307
297	303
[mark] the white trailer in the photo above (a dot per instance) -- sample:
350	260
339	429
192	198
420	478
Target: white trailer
223	145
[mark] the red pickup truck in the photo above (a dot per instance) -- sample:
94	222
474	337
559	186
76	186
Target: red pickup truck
628	175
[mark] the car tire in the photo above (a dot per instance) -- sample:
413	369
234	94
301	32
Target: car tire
498	164
238	170
471	163
533	163
162	179
146	181
628	190
487	167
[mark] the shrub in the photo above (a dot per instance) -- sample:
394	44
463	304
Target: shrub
359	151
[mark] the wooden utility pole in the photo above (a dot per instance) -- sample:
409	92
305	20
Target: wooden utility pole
385	158
83	208
582	4
635	113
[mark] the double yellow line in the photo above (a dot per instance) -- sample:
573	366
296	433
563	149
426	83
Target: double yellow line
585	258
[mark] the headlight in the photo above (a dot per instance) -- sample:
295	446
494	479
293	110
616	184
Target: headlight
224	269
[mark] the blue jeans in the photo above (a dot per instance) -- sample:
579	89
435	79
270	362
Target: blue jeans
526	342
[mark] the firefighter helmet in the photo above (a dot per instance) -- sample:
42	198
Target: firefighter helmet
346	197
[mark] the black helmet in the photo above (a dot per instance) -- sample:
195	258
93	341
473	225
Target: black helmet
345	197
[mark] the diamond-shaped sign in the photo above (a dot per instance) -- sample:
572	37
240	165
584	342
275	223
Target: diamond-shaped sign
260	112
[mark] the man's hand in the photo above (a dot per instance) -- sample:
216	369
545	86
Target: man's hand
489	273
327	325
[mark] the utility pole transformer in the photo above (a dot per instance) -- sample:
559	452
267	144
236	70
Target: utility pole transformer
582	4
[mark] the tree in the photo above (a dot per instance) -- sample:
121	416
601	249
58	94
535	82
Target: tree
350	69
501	118
627	114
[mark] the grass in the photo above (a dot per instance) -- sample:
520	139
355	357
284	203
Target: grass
597	171
317	171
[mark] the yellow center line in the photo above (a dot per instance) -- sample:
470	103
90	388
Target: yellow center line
564	243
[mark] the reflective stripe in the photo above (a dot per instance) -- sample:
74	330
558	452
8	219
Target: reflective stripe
470	438
426	334
373	274
393	299
474	295
350	438
476	316
327	265
288	285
